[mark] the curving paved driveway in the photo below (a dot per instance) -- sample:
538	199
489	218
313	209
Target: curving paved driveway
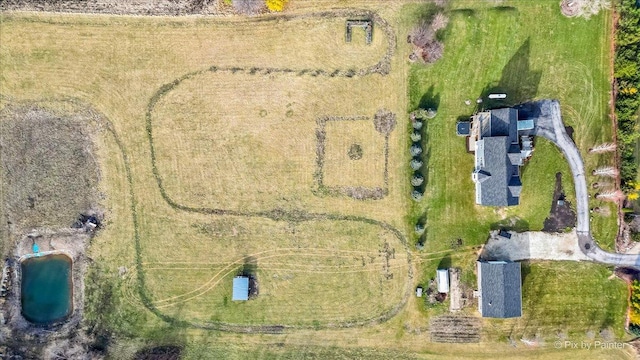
549	125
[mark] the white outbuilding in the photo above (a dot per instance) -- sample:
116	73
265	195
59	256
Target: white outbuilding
443	280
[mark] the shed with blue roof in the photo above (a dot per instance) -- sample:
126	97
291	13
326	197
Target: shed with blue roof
240	288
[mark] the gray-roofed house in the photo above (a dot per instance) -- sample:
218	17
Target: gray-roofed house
240	288
499	289
501	143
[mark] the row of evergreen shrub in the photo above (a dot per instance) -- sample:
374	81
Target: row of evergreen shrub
627	82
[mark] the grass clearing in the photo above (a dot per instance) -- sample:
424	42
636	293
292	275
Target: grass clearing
359	262
342	170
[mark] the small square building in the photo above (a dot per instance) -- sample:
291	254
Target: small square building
240	288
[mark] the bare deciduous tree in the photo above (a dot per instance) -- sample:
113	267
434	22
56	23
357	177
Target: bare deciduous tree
440	21
422	34
433	51
384	121
423	37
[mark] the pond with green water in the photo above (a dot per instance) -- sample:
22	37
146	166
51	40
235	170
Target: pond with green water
46	288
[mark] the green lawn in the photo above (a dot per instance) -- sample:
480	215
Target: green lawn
529	51
568	297
508	49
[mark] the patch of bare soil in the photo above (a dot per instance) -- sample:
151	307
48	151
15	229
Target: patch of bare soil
455	329
561	216
583	8
159	353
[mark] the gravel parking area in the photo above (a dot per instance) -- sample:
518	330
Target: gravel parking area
534	245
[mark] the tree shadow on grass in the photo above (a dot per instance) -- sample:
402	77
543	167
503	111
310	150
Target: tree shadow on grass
422	220
426	155
445	262
504	9
429	99
463	12
250	269
518	81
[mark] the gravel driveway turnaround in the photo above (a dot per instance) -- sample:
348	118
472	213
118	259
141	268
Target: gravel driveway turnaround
548	124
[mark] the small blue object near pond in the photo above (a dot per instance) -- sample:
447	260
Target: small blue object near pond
46	288
36	249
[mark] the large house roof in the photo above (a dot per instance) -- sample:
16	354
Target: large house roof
498	156
500	122
500	289
497	179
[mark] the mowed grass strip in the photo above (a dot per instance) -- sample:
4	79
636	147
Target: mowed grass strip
317	42
292	297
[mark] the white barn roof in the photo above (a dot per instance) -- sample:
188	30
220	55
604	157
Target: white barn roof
443	280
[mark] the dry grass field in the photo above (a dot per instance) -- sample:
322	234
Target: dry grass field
215	123
237	136
308	273
211	168
339	169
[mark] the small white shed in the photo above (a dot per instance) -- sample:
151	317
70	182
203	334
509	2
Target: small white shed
443	280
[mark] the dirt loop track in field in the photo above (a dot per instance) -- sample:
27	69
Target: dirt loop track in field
155	304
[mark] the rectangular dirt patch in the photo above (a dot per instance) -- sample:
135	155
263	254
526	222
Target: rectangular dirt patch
455	329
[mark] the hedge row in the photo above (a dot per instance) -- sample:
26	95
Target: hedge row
634	308
627	80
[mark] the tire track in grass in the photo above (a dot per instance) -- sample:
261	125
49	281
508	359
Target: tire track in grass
208	286
383	67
